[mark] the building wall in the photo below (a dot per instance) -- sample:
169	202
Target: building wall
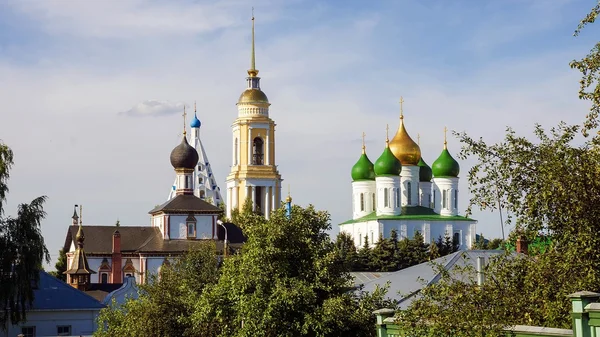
204	226
82	322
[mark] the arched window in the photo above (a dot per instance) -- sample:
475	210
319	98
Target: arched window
362	202
235	152
455	199
104	278
445	199
374	204
202	194
257	155
409	193
397	197
386	197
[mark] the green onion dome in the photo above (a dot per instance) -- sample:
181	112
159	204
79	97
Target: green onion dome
387	164
445	165
363	169
425	174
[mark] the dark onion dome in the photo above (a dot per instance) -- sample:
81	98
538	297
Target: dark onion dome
253	95
387	164
425	173
184	156
445	165
363	169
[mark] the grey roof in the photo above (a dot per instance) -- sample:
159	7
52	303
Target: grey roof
186	203
143	239
362	277
405	283
54	294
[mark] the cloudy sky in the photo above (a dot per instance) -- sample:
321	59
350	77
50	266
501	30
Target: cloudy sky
91	92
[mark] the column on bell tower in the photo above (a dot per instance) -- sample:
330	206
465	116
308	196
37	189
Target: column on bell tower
254	175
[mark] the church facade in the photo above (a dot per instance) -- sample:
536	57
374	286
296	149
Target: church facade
254	174
401	192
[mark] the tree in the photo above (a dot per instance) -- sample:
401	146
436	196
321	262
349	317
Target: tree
289	280
344	245
589	66
364	257
23	249
61	266
166	301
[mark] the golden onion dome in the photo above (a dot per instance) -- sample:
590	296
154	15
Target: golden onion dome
253	95
404	148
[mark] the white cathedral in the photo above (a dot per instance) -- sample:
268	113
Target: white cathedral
400	191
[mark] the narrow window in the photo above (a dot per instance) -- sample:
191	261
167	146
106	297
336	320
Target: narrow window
63	330
397	197
408	193
445	199
434	193
374	204
191	229
104	278
455	199
386	198
456	239
362	202
372	238
235	152
360	239
257	156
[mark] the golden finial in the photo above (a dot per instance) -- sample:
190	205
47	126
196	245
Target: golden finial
289	196
387	137
363	143
184	114
419	139
252	71
401	107
194	107
445	140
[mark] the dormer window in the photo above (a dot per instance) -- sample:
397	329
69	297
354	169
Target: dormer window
191	227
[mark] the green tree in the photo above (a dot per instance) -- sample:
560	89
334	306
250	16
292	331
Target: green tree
589	66
344	245
166	301
23	249
288	281
60	266
384	255
364	257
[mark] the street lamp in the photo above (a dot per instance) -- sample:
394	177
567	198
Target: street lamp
220	223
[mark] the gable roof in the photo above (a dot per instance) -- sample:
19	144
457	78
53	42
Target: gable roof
405	283
186	203
54	294
145	239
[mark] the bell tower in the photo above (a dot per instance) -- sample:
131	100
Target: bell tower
253	175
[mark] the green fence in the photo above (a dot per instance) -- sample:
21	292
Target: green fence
585	313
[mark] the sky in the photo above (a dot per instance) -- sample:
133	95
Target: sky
91	92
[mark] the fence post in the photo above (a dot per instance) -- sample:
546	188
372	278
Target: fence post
381	315
579	301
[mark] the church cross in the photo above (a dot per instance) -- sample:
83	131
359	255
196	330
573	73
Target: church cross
401	107
387	131
363	140
419	139
184	114
445	139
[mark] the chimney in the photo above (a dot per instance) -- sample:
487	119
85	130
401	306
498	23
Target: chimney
116	258
521	246
480	267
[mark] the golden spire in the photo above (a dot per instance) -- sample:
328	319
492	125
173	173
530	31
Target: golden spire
184	114
387	135
289	196
445	140
363	143
401	108
419	139
252	71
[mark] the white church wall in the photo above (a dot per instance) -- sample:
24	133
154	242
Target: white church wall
153	264
360	229
364	206
82	322
204	226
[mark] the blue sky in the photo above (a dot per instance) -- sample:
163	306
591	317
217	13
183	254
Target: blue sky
330	69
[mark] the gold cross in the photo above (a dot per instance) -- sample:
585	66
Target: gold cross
252	13
419	139
387	130
363	141
401	107
184	114
445	140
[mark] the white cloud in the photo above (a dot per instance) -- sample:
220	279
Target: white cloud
154	107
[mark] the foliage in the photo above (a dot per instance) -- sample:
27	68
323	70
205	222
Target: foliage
483	244
61	266
166	301
23	249
344	246
589	66
289	280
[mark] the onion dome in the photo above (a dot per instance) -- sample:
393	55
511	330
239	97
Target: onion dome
195	122
363	169
404	148
80	237
387	164
445	165
253	95
425	173
184	156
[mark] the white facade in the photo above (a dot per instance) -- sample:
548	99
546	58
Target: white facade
446	196
48	322
176	226
409	180
431	230
363	198
425	191
388	195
